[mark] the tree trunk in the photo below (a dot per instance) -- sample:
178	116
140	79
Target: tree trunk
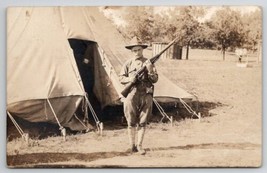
223	54
187	51
223	51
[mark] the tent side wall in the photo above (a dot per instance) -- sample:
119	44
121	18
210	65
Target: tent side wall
106	86
40	111
91	25
41	66
40	62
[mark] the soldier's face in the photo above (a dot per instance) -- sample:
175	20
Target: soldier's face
137	51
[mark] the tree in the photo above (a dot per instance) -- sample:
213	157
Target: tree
140	23
253	29
161	27
228	29
185	24
203	38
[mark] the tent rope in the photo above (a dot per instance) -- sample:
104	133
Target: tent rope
45	110
60	126
85	109
79	120
163	113
98	123
16	124
189	109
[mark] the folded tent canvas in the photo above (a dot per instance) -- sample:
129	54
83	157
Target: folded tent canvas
42	69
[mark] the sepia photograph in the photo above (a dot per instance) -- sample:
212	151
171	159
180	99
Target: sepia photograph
134	86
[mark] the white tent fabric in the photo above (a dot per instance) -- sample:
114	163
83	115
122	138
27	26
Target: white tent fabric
167	91
40	61
41	64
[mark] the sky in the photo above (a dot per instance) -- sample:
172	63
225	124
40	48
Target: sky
115	13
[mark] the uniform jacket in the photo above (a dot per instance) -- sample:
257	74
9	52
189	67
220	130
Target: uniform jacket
129	70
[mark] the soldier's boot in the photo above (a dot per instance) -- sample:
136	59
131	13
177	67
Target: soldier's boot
131	135
140	138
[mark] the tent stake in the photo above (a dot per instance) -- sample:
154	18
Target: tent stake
25	137
100	127
63	133
61	128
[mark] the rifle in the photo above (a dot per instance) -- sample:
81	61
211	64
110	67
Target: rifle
129	86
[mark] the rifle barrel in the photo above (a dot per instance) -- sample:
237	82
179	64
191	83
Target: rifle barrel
156	57
169	45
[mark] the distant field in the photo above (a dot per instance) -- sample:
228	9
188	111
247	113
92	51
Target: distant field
211	55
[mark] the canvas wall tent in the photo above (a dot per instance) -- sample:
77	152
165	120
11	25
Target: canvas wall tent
41	69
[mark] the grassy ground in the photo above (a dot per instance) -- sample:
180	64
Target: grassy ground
230	134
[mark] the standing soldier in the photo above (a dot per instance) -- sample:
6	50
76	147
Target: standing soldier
138	103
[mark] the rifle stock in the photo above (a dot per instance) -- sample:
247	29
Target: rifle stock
129	86
127	89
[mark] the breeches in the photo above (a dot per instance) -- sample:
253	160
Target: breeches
138	108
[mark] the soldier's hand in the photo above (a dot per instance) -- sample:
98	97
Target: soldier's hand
149	66
133	79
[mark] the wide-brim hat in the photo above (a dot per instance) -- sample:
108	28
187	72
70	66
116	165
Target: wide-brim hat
135	42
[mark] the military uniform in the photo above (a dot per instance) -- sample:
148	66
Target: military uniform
138	103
